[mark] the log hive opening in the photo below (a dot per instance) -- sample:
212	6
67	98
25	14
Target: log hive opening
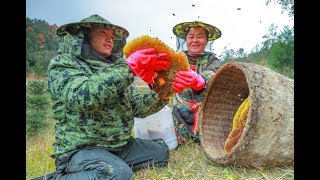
267	139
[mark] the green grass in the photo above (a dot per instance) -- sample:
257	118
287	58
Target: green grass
185	162
38	160
190	162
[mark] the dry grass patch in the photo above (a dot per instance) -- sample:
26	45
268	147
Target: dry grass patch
190	162
186	162
38	151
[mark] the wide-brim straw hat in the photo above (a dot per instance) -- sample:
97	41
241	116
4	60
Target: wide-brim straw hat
93	21
181	29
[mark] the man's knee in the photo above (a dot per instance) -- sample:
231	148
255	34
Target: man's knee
101	171
118	170
94	163
123	172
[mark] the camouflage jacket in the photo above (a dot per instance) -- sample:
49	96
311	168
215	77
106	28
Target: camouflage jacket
94	101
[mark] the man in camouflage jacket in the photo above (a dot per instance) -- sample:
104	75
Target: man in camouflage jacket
94	105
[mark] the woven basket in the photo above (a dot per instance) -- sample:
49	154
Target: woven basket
268	137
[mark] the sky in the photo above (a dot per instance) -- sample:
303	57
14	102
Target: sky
243	23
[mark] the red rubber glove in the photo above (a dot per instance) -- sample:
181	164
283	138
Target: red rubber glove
145	62
188	79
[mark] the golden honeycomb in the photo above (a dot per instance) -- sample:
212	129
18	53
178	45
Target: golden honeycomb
162	79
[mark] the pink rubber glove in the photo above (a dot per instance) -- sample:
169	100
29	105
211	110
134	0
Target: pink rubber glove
188	79
145	62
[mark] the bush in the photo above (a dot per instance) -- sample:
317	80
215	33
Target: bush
37	103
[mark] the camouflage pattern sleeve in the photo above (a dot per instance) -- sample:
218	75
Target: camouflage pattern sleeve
146	102
78	86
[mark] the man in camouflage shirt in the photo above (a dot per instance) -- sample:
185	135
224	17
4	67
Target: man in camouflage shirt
95	102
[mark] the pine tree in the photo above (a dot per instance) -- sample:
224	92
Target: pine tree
37	103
